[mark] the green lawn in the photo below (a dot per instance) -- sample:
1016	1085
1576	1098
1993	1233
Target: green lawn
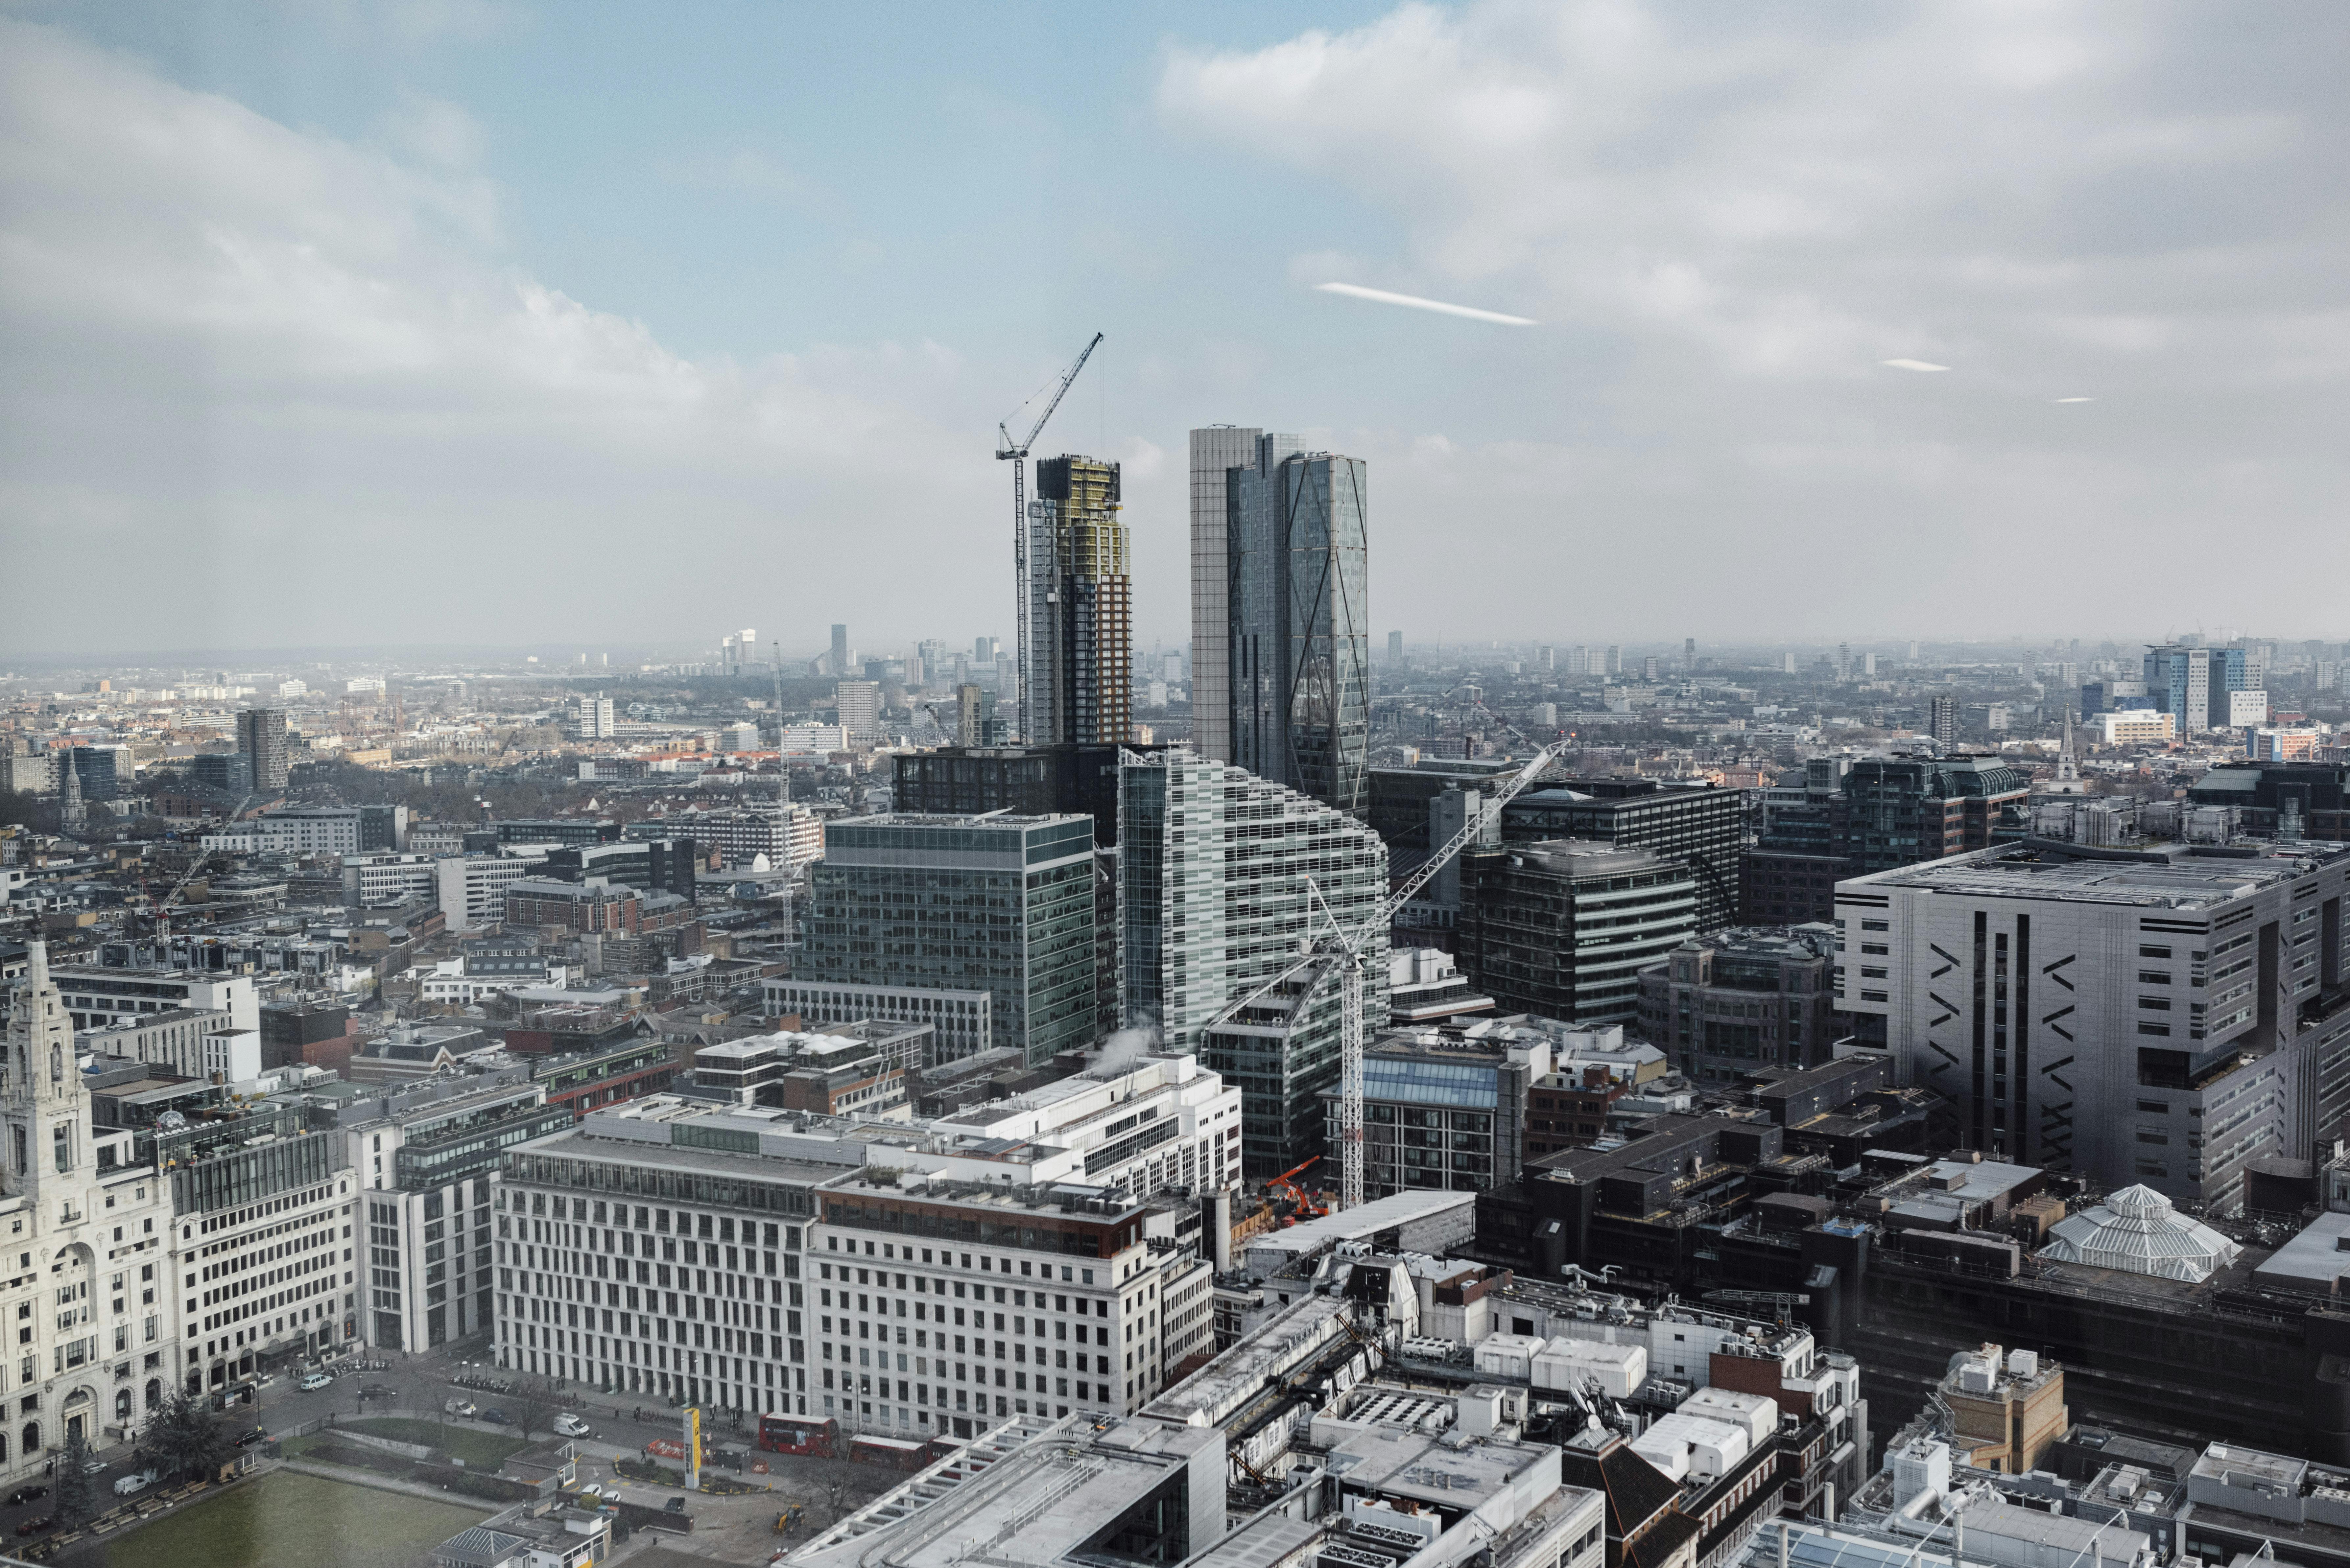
294	1519
479	1449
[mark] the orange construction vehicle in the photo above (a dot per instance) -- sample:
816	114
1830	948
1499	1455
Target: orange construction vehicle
1302	1204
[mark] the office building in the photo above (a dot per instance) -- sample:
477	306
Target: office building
1395	651
1000	904
537	903
1444	1108
960	1022
857	1069
1222	876
228	772
1027	781
839	659
96	997
472	889
1702	827
787	838
860	705
1300	640
1399	801
2161	1019
424	1155
389	881
2193	685
1562	929
813	1243
2135	727
1727	1006
101	772
974	712
1216	452
261	736
2276	800
1214	897
648	865
1943	720
2280	745
94	1316
305	831
1080	607
1901	810
549	831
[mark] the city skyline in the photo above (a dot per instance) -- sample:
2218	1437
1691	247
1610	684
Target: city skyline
385	291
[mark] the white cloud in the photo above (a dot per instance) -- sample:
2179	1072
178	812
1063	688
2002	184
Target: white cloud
1738	214
295	390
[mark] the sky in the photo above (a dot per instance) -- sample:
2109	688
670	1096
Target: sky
336	323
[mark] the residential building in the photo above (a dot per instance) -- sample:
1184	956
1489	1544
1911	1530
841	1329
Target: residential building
1444	1108
2266	745
90	1247
261	736
304	831
2164	1018
1726	1005
173	1039
859	703
1222	877
960	1022
787	836
1942	720
594	719
1296	536
1003	904
472	889
840	657
1702	827
1080	607
424	1155
1562	929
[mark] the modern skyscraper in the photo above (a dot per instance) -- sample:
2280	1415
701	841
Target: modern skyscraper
982	650
1296	532
1394	650
1002	904
1215	452
1080	607
839	651
261	735
1221	875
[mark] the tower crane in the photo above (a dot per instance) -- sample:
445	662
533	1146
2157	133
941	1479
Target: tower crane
1347	950
1015	452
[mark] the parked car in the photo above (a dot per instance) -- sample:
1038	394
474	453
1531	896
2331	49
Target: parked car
250	1436
93	1466
136	1481
458	1406
377	1391
497	1418
315	1380
570	1425
34	1526
591	1489
25	1494
675	1505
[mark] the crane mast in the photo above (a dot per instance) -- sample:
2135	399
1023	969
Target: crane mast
1350	948
1015	452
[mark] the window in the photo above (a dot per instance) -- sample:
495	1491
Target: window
2145	1028
2145	951
1876	925
2153	977
2155	1107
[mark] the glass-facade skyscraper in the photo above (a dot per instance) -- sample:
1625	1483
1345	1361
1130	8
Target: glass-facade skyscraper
1222	877
1080	607
1000	904
1299	646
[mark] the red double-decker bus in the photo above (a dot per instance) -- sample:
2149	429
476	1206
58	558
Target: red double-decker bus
816	1435
896	1453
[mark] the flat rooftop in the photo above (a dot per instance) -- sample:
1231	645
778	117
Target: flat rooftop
2183	882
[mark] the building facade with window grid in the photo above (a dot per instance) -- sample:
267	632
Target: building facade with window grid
1561	930
1000	904
1443	1111
2162	1021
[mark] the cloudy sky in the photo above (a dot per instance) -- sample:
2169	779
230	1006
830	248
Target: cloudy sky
452	320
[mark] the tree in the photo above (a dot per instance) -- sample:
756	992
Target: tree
532	1405
186	1435
76	1498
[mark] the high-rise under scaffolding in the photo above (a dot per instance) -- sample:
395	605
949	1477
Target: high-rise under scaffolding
1080	605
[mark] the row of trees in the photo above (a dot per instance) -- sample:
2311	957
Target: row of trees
184	1439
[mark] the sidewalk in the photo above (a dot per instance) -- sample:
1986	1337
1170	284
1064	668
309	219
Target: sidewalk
358	1476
